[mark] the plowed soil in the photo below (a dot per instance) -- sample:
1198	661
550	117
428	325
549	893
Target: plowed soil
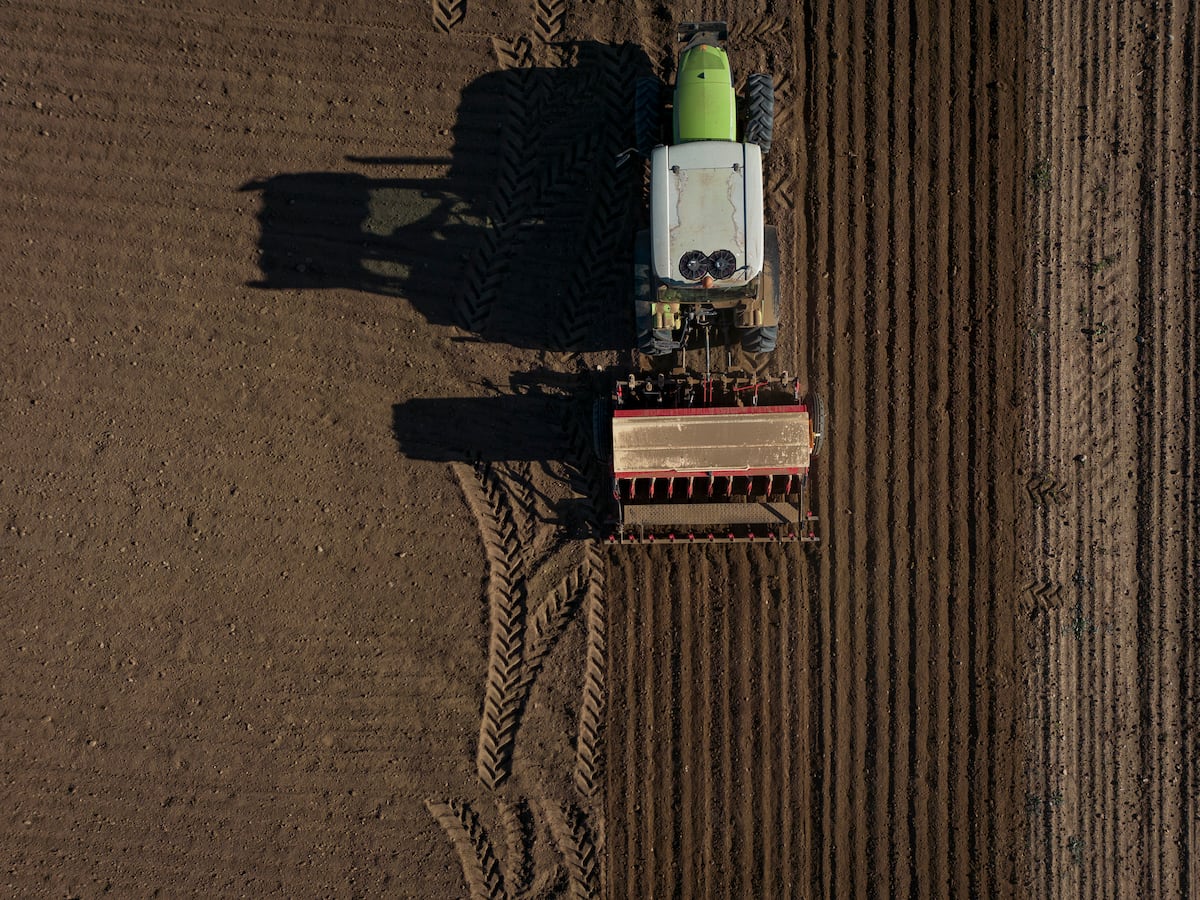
300	583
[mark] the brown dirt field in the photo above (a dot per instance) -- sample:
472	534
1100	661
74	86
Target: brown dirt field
297	576
1112	631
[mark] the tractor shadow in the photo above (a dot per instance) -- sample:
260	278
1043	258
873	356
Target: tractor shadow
521	236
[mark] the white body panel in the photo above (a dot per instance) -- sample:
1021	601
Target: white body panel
706	196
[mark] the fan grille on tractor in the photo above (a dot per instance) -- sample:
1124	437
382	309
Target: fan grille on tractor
722	263
693	264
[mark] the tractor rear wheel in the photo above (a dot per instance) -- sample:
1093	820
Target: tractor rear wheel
647	114
650	340
762	339
655	342
760	103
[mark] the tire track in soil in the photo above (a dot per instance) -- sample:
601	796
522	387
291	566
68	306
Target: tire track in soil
1044	325
474	849
1106	568
550	170
589	754
590	296
448	14
1070	423
1108	681
548	16
1093	595
573	837
505	592
518	833
521	634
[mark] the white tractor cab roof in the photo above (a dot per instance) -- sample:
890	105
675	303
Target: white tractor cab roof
706	206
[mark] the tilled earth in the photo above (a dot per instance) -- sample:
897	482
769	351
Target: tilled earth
298	576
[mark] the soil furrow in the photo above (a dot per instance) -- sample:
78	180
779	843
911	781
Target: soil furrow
1120	571
751	580
918	639
690	716
711	582
628	720
839	787
650	823
827	316
937	753
901	426
1189	788
722	748
1001	807
769	754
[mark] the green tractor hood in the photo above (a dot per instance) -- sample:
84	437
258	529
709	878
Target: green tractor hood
705	109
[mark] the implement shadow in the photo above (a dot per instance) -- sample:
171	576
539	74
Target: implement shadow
534	435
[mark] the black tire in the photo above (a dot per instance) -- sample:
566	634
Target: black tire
602	430
655	342
760	111
650	340
647	114
819	419
761	339
771	273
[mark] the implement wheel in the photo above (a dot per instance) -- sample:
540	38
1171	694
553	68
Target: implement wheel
817	418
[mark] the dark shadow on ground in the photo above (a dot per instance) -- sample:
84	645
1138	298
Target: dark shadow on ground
522	236
504	427
526	420
541	424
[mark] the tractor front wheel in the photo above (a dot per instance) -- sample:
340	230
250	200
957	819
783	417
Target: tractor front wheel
760	102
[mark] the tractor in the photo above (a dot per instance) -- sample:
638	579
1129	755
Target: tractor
704	446
707	254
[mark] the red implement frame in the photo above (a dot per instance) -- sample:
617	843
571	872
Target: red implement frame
712	474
